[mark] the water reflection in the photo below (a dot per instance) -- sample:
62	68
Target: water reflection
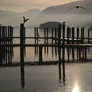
22	77
76	88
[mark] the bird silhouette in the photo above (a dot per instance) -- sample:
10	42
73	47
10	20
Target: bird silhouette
77	7
38	34
25	20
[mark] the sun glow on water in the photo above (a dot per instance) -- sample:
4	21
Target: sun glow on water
76	88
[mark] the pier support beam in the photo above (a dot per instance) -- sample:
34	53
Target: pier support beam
40	55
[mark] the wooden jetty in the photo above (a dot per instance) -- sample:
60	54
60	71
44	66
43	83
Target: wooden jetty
59	43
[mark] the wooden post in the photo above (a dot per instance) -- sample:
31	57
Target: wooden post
6	43
85	54
11	48
88	35
68	32
0	49
73	43
8	46
40	55
59	50
77	42
55	42
37	35
22	54
35	38
47	41
63	54
24	41
52	42
21	47
83	43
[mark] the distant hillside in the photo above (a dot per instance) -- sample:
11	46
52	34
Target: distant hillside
14	19
61	13
49	25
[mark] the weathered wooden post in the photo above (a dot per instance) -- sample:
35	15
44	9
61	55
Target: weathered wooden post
35	38
45	40
83	41
5	35
63	54
0	48
40	55
59	50
55	42
8	46
77	42
73	33
37	35
22	53
11	41
22	46
88	35
52	42
68	33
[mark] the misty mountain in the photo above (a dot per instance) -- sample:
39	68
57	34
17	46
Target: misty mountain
29	14
14	19
61	13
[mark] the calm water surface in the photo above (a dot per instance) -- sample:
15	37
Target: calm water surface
46	79
78	76
30	55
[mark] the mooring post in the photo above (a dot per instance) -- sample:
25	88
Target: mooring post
40	55
88	34
83	42
22	53
11	42
73	43
77	42
85	53
6	43
55	42
21	46
68	32
8	46
37	35
0	48
45	40
52	42
59	50
35	38
63	54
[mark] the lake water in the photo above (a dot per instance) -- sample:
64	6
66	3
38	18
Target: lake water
45	78
78	78
30	55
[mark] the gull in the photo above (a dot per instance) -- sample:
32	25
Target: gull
38	35
25	20
77	7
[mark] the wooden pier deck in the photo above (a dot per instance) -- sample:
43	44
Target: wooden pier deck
46	45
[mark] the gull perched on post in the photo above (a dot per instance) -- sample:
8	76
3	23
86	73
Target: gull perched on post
25	20
77	7
38	35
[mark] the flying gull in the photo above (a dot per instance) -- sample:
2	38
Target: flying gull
77	7
25	20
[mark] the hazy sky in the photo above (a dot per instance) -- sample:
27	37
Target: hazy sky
23	5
